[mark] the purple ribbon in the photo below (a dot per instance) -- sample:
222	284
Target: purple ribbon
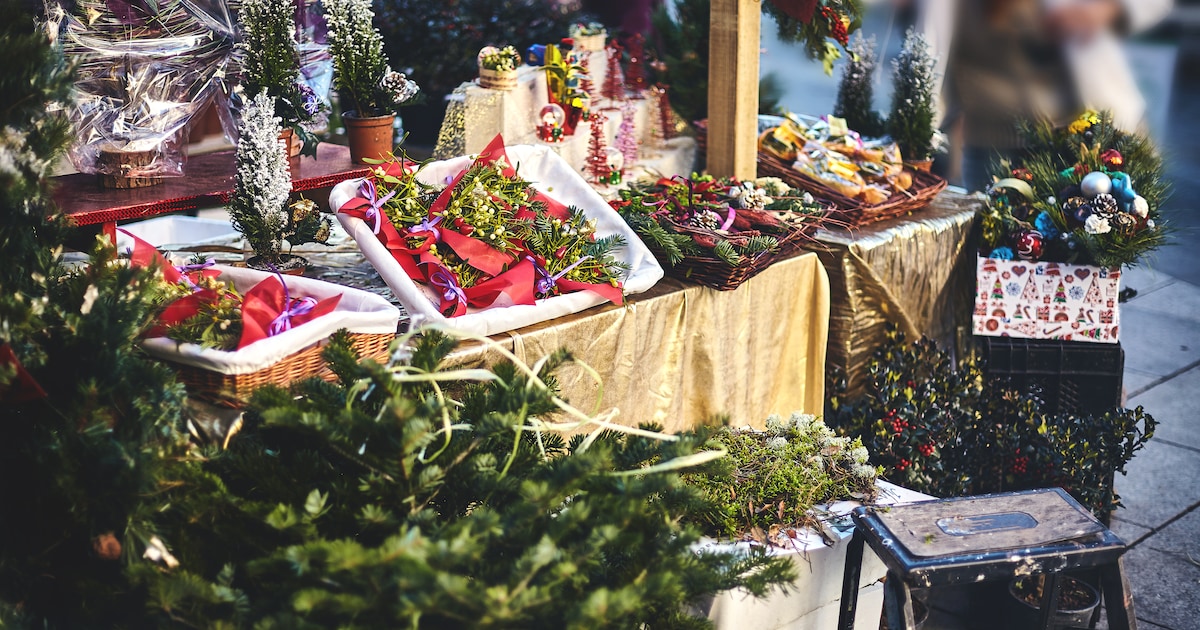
444	280
295	307
427	226
546	282
195	266
374	210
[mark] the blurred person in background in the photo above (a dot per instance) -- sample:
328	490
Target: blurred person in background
1004	61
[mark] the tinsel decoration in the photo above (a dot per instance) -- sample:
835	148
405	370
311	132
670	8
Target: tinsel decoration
596	167
626	141
635	78
585	78
614	79
663	112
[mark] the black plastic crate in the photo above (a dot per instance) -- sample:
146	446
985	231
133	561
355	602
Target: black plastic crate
1074	376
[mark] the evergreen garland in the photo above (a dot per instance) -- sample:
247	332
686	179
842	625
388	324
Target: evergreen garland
78	465
382	502
910	122
856	92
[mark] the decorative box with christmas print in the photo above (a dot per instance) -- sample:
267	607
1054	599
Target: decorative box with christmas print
1047	300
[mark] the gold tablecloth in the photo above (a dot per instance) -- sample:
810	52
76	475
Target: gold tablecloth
917	272
681	354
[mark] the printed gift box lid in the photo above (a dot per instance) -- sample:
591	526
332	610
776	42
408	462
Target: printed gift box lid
1046	300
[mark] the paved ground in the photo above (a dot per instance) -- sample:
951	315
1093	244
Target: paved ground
1160	334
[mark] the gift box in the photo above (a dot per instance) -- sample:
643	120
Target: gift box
1046	300
290	355
550	175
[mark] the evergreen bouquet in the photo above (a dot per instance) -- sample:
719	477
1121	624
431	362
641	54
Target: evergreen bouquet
943	428
771	481
1088	194
270	60
474	234
588	37
364	80
728	226
816	23
259	206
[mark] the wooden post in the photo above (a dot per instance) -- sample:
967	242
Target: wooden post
733	88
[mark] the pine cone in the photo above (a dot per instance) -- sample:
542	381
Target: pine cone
1105	205
706	219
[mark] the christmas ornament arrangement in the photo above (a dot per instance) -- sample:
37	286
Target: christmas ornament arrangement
226	331
1088	194
866	178
720	232
492	242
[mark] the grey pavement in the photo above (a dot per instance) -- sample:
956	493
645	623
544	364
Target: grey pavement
1160	334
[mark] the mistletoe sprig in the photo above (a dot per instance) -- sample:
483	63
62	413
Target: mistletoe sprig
493	205
570	247
726	218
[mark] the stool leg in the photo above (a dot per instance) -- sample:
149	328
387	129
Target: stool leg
850	577
1118	599
1049	599
897	603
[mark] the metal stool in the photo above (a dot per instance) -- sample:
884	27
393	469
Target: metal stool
987	537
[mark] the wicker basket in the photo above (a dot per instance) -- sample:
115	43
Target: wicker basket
855	212
297	366
710	271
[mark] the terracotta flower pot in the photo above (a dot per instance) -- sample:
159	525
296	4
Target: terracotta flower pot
921	165
290	142
369	137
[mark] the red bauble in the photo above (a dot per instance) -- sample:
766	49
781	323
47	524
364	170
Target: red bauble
1029	245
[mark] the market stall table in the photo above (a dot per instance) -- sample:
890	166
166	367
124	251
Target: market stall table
916	272
680	354
208	182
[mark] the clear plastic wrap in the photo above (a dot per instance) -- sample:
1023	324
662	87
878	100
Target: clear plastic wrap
146	68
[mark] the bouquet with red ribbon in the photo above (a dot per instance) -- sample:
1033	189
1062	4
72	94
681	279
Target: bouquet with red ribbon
200	308
485	237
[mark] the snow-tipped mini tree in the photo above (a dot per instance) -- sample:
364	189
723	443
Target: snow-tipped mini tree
911	120
261	187
856	92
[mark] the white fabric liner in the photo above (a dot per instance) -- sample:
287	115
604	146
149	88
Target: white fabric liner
358	311
548	173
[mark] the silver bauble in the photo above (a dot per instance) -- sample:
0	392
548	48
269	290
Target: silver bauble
1095	183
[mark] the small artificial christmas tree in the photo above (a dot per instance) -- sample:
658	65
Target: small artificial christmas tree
596	166
585	79
663	113
262	184
910	122
635	77
614	80
856	92
626	141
